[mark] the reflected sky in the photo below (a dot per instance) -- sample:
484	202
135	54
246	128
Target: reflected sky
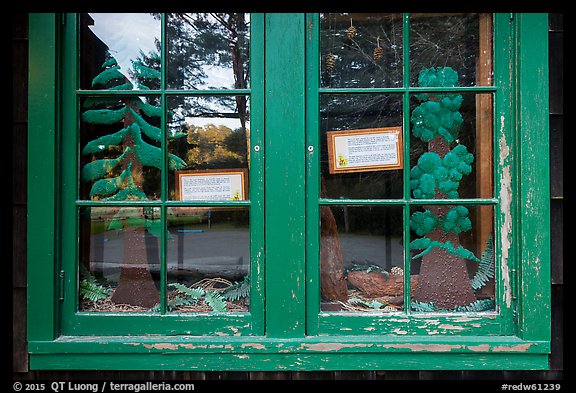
126	35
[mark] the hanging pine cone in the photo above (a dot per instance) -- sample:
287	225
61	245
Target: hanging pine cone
378	50
351	32
329	61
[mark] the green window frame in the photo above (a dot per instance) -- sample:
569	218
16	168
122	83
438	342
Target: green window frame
285	329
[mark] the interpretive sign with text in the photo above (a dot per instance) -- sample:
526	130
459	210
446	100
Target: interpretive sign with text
212	185
371	149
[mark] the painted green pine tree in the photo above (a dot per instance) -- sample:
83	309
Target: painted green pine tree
444	279
129	148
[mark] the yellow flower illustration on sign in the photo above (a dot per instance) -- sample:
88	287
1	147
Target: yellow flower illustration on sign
342	161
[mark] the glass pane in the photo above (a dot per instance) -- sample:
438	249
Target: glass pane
462	42
208	259
361	50
452	256
120	140
359	114
120	51
119	259
361	258
208	51
451	147
211	135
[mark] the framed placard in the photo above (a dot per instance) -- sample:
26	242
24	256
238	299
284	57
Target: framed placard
212	185
365	150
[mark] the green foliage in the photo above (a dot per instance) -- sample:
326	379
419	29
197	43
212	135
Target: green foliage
89	288
375	305
455	220
477	306
422	306
99	168
433	172
103	116
238	290
438	115
368	269
134	113
187	296
436	118
486	266
215	301
428	245
423	222
133	217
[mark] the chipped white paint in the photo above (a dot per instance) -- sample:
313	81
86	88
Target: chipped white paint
447	326
506	203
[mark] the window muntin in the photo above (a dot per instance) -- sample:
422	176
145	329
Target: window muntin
133	227
438	77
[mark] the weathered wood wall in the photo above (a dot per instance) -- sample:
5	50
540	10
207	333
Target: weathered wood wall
19	169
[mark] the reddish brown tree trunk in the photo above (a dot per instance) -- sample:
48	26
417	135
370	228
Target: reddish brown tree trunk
333	285
444	277
136	285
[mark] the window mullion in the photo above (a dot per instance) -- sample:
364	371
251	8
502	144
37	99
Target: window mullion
406	138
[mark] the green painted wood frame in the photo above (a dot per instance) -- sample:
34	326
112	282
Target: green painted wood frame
291	333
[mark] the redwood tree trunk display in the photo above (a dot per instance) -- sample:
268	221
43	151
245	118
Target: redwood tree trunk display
136	285
333	284
443	277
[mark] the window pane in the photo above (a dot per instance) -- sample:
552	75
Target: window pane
120	153
462	42
452	256
125	46
208	51
361	50
451	146
209	133
354	113
361	258
208	259
119	259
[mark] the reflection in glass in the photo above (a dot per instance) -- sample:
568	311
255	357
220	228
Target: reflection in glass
120	140
361	258
361	50
119	259
208	51
217	133
467	172
126	44
208	256
452	254
460	41
352	112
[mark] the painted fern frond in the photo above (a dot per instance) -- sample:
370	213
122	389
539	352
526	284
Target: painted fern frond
93	291
486	266
215	301
192	294
423	306
237	290
477	306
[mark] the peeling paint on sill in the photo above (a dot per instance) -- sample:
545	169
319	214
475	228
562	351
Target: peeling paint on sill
512	348
331	346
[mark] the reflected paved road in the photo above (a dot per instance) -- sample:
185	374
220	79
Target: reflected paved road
226	253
